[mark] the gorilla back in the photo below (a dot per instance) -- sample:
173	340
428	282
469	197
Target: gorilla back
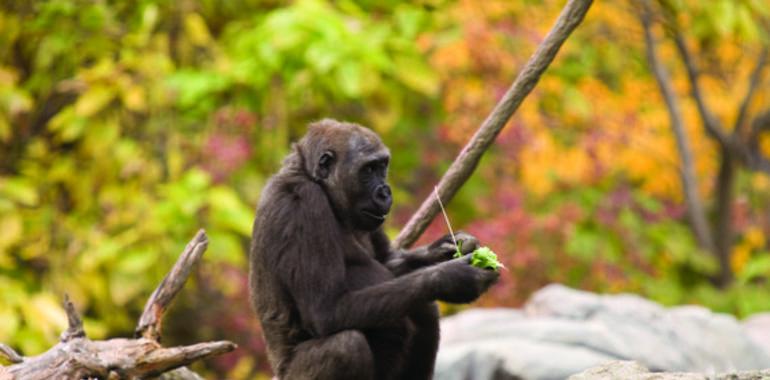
335	300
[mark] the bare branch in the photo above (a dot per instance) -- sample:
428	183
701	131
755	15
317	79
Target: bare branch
754	79
75	329
710	122
127	358
149	325
77	357
165	359
466	162
9	354
757	160
695	210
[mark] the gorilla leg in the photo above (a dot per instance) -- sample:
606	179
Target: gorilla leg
345	355
421	356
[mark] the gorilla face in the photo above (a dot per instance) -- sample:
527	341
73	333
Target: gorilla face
375	199
351	163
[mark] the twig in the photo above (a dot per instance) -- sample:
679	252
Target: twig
446	218
466	162
149	325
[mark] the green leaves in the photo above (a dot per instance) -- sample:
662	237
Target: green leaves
483	257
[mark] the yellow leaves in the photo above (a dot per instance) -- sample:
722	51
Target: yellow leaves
760	182
11	322
417	75
753	239
196	29
93	100
546	164
764	144
44	312
11	229
134	98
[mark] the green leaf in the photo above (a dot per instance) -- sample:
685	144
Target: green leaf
349	78
228	211
226	247
483	257
757	267
584	243
18	189
417	75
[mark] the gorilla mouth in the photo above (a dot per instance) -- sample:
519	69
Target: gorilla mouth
374	215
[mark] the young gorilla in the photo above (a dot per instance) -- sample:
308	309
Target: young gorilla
335	301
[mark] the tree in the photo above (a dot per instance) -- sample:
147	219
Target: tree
738	145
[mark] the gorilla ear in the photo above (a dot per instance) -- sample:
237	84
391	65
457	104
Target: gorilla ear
324	164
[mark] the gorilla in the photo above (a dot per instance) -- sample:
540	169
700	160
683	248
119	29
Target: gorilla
335	300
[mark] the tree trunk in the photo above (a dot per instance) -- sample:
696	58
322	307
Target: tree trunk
723	225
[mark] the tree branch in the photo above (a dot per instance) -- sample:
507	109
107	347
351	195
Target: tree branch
9	354
754	79
710	122
466	162
77	357
695	210
149	325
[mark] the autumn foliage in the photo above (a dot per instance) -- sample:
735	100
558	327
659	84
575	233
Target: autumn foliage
126	126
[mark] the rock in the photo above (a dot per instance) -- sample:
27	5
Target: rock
758	328
563	331
629	370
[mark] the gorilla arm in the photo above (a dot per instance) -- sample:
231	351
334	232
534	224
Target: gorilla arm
313	270
401	261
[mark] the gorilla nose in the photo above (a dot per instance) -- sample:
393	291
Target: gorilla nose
383	197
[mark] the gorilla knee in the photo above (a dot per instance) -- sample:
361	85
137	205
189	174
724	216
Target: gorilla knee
345	355
350	351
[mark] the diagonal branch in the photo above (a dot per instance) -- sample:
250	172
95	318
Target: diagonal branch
754	80
149	325
695	210
710	122
10	355
466	162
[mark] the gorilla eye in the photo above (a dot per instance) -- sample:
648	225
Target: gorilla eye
326	159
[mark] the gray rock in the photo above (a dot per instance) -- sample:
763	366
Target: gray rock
758	328
629	370
563	331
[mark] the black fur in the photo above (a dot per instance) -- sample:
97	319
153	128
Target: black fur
335	301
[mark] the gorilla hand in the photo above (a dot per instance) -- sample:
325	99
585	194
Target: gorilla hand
444	248
457	281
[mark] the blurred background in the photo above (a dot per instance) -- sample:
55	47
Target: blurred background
125	126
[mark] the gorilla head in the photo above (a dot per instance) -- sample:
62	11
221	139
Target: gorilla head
351	164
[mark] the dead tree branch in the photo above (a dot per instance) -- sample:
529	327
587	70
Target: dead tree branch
466	162
149	325
77	357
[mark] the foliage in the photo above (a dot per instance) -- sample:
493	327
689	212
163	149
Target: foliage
126	126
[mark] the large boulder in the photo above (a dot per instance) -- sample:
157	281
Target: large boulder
562	331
